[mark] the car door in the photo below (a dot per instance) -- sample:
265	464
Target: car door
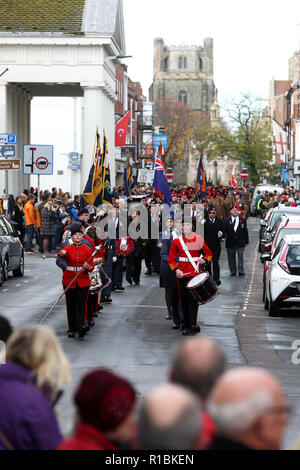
12	243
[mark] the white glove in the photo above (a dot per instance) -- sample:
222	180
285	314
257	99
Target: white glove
220	234
114	259
203	221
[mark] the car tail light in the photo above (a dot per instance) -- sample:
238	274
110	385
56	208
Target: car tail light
282	260
268	247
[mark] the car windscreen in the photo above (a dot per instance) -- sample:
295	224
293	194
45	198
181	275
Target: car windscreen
286	231
275	216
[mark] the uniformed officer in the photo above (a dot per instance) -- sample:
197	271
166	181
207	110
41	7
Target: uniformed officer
185	271
78	259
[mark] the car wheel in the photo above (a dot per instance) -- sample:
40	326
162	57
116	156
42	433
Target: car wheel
19	272
272	308
5	270
1	275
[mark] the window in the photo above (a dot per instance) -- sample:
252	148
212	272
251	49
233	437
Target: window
182	97
182	63
200	64
166	64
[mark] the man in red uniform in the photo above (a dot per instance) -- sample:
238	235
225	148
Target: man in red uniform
77	256
185	271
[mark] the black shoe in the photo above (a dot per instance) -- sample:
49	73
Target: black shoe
188	332
82	332
233	274
148	273
129	281
175	326
99	308
137	283
241	274
218	283
95	315
91	323
169	317
182	326
113	288
120	288
195	328
106	300
71	334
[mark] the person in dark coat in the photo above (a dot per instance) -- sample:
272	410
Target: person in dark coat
236	239
152	260
134	260
168	279
213	234
30	385
19	218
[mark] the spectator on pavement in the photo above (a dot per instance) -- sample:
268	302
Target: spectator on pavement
250	410
30	221
18	217
169	419
30	385
48	222
105	404
197	365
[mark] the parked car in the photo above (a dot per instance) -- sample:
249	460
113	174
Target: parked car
283	276
11	250
286	227
267	232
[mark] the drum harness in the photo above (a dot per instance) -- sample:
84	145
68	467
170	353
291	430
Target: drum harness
188	254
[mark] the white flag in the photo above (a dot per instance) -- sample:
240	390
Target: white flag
281	141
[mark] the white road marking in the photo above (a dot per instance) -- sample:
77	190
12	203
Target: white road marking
18	285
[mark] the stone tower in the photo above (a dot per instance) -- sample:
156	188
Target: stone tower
184	74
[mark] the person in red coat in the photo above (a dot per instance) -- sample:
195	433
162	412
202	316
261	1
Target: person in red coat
185	271
78	257
106	406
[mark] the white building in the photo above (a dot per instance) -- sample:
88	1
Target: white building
59	48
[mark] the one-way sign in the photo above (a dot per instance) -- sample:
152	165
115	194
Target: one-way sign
7	151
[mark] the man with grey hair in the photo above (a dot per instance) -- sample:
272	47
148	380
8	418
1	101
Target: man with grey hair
249	408
197	365
169	419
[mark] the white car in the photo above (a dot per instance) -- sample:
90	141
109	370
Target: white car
283	276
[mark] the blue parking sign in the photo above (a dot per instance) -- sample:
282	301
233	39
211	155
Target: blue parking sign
160	139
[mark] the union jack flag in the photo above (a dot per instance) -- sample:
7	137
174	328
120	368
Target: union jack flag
160	183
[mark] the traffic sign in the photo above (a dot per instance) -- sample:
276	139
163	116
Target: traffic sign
170	174
7	151
74	166
160	139
38	160
9	164
8	139
244	174
146	176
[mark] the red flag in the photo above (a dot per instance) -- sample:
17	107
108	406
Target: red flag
121	130
233	178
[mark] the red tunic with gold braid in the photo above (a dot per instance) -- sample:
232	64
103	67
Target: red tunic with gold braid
196	246
76	256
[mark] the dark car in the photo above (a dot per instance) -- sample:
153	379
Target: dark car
11	250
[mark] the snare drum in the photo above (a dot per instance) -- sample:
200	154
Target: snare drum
96	282
202	288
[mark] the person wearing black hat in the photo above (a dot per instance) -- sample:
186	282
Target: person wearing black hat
236	239
188	254
214	232
78	257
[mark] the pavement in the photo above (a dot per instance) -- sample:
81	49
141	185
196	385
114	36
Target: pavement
133	338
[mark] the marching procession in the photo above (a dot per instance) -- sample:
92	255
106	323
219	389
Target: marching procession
96	249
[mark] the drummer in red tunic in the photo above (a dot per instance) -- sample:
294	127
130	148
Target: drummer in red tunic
185	271
77	256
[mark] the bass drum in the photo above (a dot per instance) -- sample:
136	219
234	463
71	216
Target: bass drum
202	288
96	282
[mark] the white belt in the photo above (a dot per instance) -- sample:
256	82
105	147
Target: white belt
70	268
186	260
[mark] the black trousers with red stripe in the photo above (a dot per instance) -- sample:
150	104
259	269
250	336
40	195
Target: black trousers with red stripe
76	300
188	304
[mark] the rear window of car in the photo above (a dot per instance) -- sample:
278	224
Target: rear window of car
286	231
275	216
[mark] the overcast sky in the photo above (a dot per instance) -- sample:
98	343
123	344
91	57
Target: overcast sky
252	40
